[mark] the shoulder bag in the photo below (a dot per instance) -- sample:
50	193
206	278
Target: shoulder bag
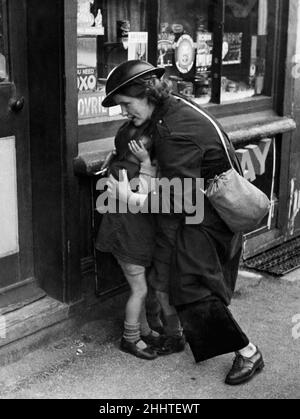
239	203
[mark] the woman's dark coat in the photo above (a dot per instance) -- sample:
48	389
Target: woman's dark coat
206	256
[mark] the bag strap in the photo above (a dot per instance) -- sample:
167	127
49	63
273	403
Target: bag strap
214	124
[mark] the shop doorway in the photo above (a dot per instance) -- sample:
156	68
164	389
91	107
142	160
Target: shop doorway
17	283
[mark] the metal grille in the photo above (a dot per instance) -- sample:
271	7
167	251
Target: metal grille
278	261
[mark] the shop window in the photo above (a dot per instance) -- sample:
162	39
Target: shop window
185	46
217	50
245	48
3	50
214	51
108	33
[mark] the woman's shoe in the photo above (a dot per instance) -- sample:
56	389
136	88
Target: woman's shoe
154	341
171	344
243	368
132	348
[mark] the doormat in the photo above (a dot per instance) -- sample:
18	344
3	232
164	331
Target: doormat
277	261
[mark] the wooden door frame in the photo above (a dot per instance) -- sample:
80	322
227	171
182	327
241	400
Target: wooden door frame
53	131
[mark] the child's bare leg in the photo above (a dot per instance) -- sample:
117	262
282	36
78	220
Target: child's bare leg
138	291
131	341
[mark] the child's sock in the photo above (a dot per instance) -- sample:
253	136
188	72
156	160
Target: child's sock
132	334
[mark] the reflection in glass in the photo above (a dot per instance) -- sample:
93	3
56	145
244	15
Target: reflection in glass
244	49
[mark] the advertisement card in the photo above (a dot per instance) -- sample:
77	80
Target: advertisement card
232	48
138	46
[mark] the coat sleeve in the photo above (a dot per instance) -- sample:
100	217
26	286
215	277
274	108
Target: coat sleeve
179	160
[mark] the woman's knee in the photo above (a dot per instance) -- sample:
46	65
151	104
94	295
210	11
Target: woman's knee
162	296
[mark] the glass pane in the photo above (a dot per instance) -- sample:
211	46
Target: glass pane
245	48
3	57
185	44
108	33
9	242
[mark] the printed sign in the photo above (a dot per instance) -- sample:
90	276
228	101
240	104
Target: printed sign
204	50
86	79
185	54
258	162
90	106
232	48
138	46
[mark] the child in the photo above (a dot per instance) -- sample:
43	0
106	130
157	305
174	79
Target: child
130	238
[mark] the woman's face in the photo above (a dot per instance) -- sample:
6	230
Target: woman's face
137	110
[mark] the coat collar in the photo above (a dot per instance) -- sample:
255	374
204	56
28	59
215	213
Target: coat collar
162	109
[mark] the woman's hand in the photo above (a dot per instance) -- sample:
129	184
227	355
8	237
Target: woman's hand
119	189
139	150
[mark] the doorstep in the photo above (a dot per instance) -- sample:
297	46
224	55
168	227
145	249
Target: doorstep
46	321
25	328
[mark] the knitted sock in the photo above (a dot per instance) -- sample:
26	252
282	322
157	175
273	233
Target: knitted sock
172	325
132	334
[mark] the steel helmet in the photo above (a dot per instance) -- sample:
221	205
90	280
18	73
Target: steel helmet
124	74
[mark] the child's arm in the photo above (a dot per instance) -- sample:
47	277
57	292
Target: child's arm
147	171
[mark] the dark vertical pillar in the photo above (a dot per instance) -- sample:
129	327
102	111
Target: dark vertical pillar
53	142
152	28
71	182
218	31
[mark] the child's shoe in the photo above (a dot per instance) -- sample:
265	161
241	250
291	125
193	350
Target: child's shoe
134	349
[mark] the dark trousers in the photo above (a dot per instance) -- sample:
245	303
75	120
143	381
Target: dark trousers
210	328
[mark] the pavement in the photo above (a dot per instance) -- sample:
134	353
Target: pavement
89	365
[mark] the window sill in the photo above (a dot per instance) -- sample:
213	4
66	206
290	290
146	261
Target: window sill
247	127
256	126
241	106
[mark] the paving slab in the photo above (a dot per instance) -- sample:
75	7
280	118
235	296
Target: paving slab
85	365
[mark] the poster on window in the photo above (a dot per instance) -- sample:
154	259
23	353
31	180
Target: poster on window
138	46
204	50
86	79
232	48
